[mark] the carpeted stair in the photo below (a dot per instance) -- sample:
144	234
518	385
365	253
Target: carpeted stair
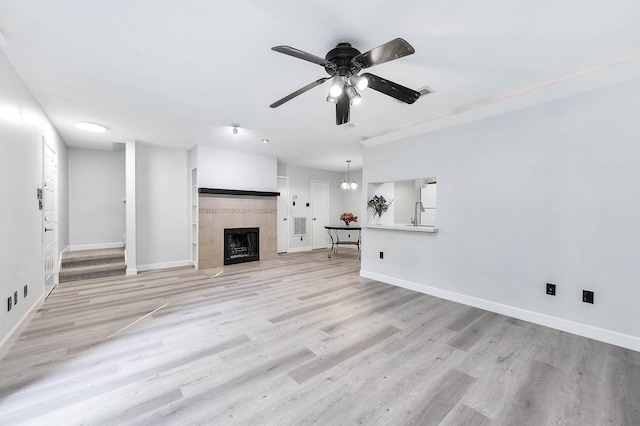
87	264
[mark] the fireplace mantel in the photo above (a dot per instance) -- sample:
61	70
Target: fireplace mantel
217	191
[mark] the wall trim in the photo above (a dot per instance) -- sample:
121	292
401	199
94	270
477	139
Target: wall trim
164	265
596	333
131	272
77	247
14	333
297	249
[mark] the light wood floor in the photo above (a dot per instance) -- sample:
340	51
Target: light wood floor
299	340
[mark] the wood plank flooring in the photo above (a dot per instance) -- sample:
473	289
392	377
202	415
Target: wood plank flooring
299	340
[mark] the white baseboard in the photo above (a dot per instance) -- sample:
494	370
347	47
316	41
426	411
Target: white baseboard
596	333
165	265
77	247
296	249
13	333
131	272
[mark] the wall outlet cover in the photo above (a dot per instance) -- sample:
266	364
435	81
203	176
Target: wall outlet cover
551	289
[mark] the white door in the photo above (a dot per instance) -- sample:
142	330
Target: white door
319	214
283	214
49	218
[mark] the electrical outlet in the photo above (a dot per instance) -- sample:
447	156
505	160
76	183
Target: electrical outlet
9	304
551	289
15	297
381	255
26	290
587	296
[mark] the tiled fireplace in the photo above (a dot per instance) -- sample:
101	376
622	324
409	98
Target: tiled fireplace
221	210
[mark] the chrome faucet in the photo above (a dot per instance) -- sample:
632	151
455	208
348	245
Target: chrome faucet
419	209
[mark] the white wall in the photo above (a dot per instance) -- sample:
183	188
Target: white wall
96	193
226	169
22	127
162	207
544	194
339	200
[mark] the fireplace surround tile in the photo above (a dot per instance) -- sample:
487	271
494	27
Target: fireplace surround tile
220	211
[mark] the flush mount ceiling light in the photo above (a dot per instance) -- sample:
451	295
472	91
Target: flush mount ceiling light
90	127
265	140
235	128
343	63
348	183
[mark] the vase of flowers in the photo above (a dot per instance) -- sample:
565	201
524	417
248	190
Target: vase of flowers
347	218
379	204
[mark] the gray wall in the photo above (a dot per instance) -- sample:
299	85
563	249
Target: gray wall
22	127
162	207
544	194
96	194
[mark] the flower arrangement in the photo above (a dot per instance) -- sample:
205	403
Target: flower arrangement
379	204
347	218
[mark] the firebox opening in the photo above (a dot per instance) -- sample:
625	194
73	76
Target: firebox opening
241	245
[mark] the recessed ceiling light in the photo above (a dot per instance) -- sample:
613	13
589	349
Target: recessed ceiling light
90	127
265	140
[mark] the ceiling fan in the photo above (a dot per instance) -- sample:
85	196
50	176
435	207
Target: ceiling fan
343	63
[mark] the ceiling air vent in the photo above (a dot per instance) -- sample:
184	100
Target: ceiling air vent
425	90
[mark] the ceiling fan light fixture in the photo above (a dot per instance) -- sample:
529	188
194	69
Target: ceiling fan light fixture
360	82
354	96
332	99
337	86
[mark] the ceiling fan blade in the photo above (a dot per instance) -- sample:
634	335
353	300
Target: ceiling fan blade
297	53
392	89
389	51
342	109
299	92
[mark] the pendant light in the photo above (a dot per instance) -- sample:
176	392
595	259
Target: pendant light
348	183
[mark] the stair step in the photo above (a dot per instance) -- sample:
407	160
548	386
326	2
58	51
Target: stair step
89	262
92	256
85	272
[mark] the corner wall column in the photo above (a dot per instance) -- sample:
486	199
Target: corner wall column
130	191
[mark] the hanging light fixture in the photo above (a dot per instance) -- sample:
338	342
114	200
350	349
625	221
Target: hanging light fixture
234	127
348	183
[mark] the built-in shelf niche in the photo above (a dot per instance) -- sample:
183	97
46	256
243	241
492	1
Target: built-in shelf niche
194	217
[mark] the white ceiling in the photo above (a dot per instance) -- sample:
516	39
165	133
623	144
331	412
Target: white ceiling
178	72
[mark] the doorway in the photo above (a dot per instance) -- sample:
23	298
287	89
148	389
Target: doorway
50	216
319	213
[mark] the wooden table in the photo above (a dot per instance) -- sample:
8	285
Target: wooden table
332	230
